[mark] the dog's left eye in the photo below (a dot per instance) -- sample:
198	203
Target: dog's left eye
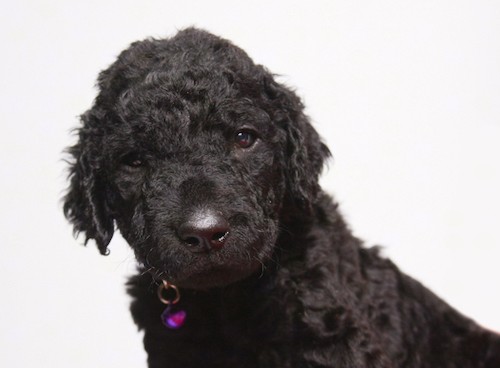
245	138
133	160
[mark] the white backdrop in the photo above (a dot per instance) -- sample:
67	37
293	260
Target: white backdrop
406	93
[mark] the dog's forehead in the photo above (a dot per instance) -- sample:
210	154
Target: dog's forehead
164	117
187	93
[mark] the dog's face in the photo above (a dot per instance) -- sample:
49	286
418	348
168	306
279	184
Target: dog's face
194	152
196	189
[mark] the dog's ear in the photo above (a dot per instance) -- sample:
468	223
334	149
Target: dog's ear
85	201
305	153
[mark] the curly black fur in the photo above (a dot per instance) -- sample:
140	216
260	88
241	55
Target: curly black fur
291	287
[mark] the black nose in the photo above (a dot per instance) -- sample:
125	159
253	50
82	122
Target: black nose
204	231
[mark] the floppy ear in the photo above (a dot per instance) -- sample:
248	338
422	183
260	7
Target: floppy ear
305	153
85	203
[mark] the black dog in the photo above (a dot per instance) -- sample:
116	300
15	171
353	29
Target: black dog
209	168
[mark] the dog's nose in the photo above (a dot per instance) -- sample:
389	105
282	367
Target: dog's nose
204	231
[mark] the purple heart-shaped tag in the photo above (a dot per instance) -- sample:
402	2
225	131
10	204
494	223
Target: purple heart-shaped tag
173	319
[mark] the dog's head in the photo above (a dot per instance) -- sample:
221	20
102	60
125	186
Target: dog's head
194	152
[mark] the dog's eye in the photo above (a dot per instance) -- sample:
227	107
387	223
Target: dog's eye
133	160
245	138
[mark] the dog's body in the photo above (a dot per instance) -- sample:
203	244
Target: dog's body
209	169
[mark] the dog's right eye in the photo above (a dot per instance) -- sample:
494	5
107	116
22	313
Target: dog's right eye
245	138
133	160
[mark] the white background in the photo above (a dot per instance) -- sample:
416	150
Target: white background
406	93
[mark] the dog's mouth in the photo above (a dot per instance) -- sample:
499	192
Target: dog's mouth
217	276
210	270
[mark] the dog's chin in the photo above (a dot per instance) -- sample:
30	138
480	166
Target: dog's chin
217	276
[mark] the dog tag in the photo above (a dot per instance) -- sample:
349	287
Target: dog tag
173	319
